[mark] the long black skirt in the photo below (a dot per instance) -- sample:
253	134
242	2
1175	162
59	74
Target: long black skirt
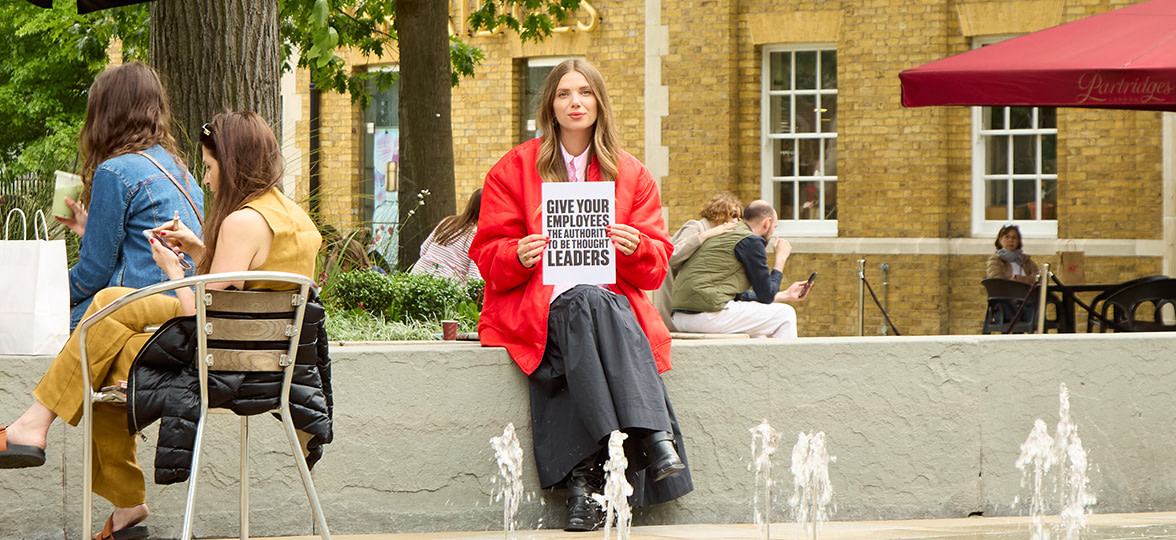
598	375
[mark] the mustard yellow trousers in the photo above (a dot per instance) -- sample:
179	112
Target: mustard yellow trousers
111	346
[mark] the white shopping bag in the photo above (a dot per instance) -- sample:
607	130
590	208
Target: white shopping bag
34	290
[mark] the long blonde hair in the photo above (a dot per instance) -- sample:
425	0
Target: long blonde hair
605	146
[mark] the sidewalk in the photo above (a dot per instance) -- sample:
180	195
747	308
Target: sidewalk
1099	527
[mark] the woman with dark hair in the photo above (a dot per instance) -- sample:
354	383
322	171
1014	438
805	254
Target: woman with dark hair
253	226
592	353
1009	262
446	252
132	180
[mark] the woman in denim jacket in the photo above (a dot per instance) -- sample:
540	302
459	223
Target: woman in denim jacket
131	178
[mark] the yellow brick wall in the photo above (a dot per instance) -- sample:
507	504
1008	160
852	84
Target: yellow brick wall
903	173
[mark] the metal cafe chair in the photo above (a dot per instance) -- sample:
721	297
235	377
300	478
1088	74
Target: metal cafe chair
1005	298
1141	307
1096	304
238	322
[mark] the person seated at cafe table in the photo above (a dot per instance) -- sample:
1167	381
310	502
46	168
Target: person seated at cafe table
1009	262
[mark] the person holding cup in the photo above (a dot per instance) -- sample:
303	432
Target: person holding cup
133	179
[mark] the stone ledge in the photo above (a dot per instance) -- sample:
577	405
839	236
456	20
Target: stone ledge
922	427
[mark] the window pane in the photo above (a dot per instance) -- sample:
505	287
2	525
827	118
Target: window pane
828	70
830	158
998	155
781	65
994	117
806	114
779	114
533	89
1020	117
1049	199
808	157
827	113
997	193
1047	118
1049	154
806	70
810	200
1024	199
1024	154
784	150
830	200
782	195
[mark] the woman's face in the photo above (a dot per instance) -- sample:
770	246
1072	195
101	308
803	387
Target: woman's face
575	103
1011	239
211	170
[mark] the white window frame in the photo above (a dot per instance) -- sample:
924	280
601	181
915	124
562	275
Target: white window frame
786	225
982	227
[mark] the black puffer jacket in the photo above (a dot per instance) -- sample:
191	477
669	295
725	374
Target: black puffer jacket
164	384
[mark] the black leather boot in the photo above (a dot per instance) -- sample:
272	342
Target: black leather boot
584	513
663	457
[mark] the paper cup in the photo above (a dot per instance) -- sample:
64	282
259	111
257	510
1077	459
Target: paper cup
449	330
67	185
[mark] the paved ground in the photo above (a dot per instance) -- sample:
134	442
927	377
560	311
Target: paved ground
1100	527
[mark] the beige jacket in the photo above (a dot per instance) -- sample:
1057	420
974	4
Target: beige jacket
999	268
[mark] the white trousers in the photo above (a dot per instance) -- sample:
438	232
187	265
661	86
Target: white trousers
751	318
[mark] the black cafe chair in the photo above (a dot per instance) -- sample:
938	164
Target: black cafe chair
1095	310
1005	299
1141	308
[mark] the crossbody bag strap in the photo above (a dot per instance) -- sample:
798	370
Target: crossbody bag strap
177	183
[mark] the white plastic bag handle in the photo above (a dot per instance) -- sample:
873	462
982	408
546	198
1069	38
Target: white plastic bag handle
23	224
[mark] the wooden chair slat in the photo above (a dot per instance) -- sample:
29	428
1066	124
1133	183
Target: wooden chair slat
249	329
244	360
252	301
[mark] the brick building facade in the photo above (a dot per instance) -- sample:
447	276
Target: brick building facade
714	96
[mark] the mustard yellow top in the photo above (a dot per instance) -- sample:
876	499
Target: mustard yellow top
296	239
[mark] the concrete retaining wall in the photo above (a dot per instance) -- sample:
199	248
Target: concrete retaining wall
921	427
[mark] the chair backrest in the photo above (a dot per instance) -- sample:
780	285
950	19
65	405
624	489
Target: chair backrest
1005	289
251	330
1141	307
1097	303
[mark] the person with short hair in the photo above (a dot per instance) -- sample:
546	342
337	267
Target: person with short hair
728	288
718	215
1009	261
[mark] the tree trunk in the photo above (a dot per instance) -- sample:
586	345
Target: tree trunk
426	133
215	56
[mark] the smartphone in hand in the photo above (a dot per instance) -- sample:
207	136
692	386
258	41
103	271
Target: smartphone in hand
152	233
804	290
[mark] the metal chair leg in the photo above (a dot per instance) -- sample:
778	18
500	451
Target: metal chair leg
244	481
191	503
304	472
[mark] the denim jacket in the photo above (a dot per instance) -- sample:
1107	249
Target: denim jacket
129	194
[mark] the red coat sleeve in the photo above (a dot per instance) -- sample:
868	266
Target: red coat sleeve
501	223
646	268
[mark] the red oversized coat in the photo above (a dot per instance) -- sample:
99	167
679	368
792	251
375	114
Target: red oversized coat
514	313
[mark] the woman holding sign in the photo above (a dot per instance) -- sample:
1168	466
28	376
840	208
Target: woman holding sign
592	350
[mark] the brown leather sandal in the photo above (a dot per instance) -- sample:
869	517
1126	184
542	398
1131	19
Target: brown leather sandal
133	532
18	456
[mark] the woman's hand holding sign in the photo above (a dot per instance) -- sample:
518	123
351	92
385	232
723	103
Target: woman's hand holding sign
531	249
626	238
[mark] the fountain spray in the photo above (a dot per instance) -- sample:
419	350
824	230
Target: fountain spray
616	488
812	491
510	468
763	445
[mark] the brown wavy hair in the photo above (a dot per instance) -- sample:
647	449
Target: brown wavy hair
126	112
452	227
605	147
722	208
250	163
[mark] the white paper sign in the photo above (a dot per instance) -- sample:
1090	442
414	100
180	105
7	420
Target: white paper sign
575	215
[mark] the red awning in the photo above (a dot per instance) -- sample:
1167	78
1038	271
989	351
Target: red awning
1122	59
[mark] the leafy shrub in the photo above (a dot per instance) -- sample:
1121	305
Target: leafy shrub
424	297
364	288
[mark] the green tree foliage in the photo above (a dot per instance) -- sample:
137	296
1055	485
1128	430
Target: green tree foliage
51	57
